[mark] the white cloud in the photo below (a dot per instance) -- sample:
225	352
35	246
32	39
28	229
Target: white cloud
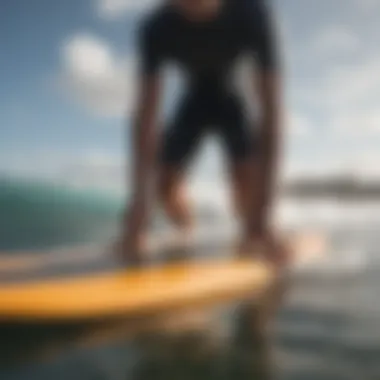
367	5
335	40
320	166
296	124
112	9
366	165
353	93
96	76
95	169
350	85
87	168
346	96
358	122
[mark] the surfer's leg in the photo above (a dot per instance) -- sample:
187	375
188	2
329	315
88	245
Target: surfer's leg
173	196
242	177
179	144
241	146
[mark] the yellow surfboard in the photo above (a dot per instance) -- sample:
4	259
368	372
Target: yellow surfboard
84	283
132	292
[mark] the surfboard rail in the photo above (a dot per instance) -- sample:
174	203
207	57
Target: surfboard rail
133	292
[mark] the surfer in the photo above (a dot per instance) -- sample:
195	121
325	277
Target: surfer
206	38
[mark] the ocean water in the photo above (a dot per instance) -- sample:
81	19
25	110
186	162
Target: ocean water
39	215
328	326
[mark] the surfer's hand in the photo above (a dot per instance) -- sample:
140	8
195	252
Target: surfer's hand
268	246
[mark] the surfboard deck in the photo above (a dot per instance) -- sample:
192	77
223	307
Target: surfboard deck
133	291
87	283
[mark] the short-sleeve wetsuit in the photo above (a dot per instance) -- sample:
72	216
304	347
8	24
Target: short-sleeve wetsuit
207	53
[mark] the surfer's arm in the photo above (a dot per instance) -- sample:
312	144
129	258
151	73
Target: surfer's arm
143	144
144	127
268	88
144	136
269	148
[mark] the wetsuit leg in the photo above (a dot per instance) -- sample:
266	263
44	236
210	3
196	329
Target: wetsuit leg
232	125
180	141
181	138
240	145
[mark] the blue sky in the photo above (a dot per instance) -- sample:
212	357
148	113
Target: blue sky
66	74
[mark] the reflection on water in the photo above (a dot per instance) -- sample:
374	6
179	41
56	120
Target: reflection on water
202	355
222	344
328	326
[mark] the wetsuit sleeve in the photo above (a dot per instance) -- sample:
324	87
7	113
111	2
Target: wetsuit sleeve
149	49
262	36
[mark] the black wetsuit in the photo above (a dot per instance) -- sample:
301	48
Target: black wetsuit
207	53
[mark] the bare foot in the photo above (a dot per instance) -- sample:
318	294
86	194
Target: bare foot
250	249
178	244
132	251
270	249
